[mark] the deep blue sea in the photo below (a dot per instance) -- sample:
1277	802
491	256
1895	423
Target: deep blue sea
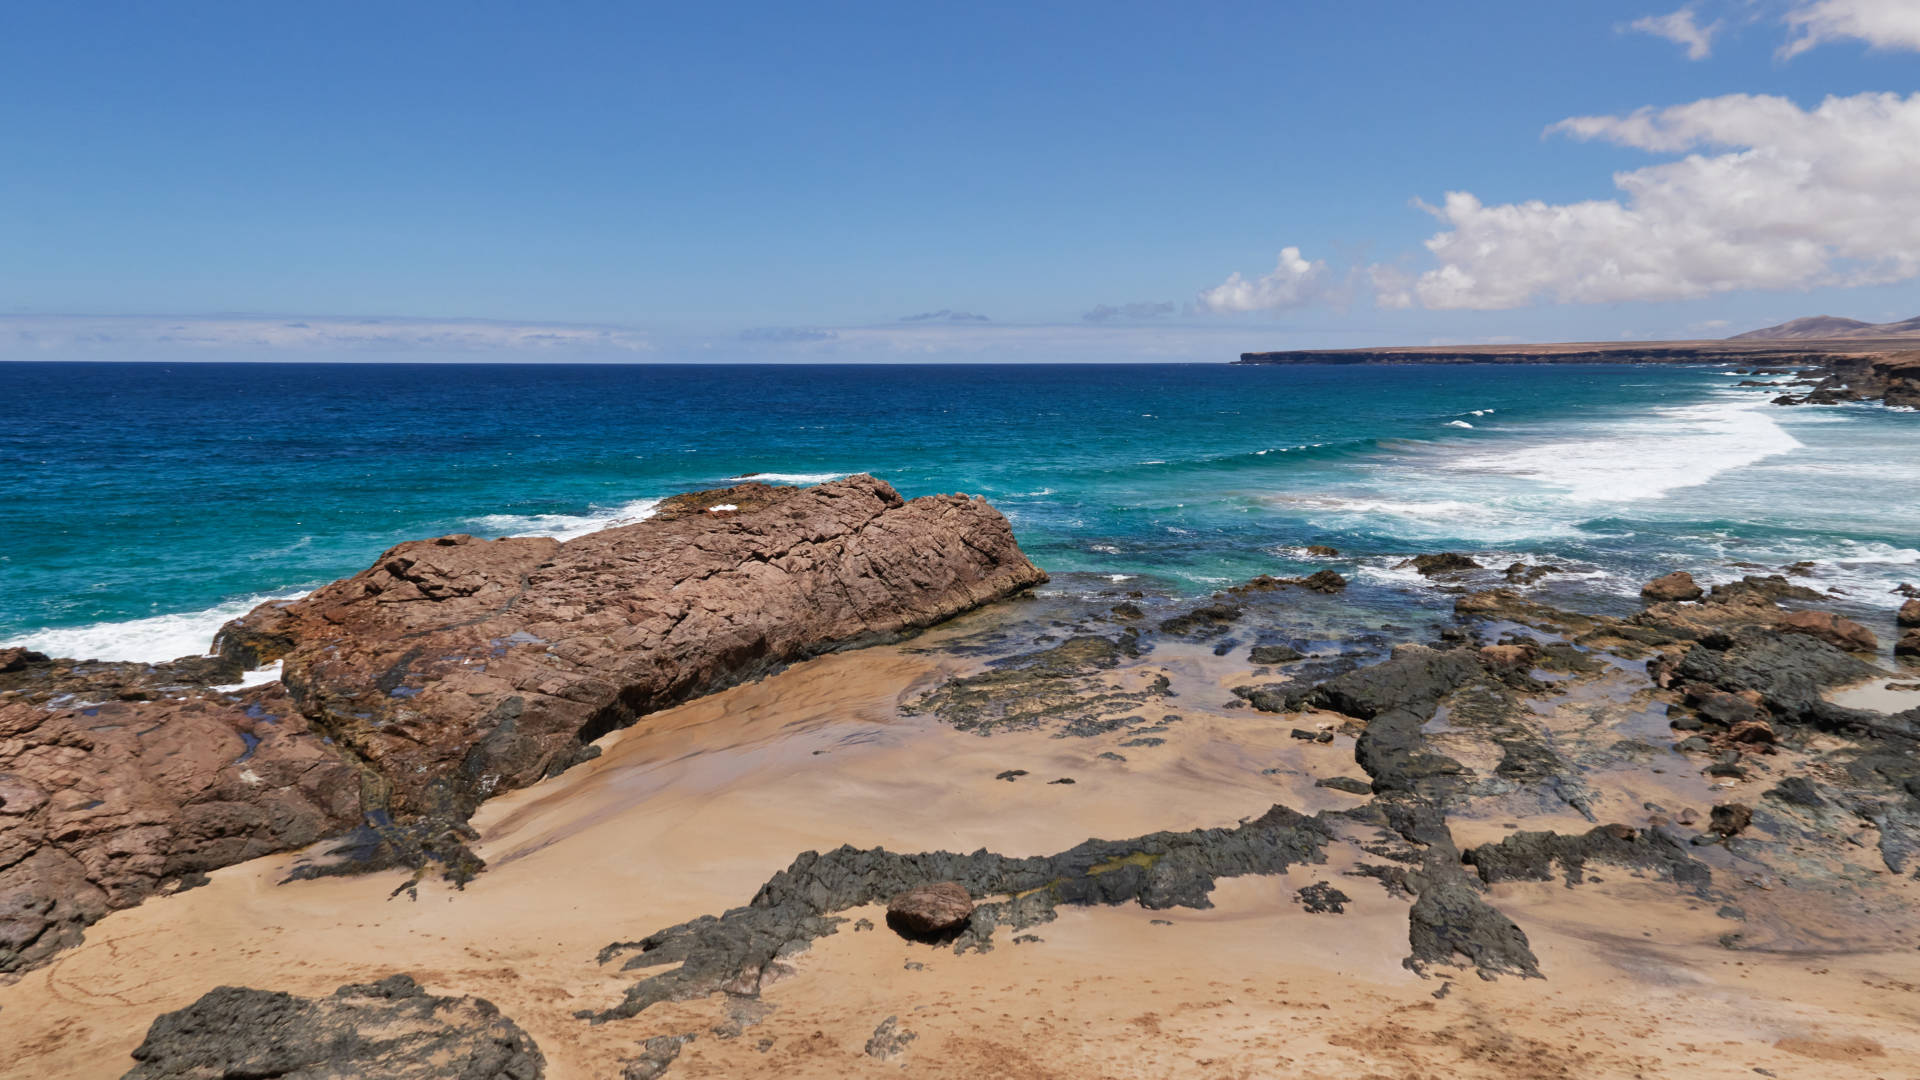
147	503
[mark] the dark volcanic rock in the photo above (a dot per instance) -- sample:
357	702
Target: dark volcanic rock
1531	856
1796	791
889	1040
1274	654
1065	685
1678	585
391	1029
1209	620
1320	581
929	910
1322	898
1908	615
1345	783
1322	550
1323	581
736	951
1731	819
1788	672
458	667
656	1054
1446	562
1521	574
1908	645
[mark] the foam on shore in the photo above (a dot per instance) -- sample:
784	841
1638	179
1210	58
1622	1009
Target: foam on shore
149	640
567	526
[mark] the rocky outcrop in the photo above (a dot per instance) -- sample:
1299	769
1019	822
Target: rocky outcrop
391	1029
1832	629
1446	562
457	667
104	803
451	669
739	950
1678	585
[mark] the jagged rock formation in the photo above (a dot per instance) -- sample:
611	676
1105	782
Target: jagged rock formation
452	669
457	667
391	1029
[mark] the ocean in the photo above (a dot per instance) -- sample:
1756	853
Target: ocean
148	503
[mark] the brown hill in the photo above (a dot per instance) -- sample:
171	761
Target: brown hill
1831	328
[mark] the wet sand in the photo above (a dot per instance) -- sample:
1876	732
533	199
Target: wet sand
689	812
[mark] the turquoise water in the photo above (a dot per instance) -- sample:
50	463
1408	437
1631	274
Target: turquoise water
147	503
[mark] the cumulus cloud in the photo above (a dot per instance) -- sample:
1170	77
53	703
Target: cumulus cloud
1681	28
45	333
1137	310
1794	199
1883	24
1295	282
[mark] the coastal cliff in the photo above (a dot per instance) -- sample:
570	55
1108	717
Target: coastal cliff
450	670
1836	371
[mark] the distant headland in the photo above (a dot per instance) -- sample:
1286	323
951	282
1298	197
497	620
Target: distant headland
1836	359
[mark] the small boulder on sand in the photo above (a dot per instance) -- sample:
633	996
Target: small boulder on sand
1731	819
929	910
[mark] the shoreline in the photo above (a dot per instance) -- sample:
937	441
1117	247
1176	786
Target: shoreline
687	814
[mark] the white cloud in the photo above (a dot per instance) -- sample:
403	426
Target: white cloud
1680	28
304	334
1295	282
1797	198
1883	24
1392	286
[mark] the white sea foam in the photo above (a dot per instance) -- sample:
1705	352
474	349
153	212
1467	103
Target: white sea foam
149	640
566	526
256	677
1458	423
791	477
1673	448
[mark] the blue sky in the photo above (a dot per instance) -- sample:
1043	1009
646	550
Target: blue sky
789	181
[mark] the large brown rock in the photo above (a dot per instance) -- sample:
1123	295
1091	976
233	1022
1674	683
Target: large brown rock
103	805
1832	629
451	669
1678	585
1909	614
457	667
930	910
